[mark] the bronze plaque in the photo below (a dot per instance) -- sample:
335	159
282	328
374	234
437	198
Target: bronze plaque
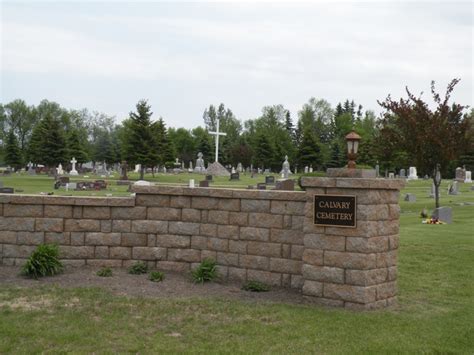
335	211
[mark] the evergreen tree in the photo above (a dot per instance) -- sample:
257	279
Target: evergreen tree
75	147
139	139
162	143
309	151
263	151
48	145
34	145
104	149
339	110
337	156
289	124
12	151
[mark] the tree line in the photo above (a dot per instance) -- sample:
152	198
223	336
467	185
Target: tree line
408	133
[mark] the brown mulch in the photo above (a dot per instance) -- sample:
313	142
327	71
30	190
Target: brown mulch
174	285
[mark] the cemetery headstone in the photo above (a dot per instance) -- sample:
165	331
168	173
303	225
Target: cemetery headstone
191	183
31	171
460	174
200	168
123	173
240	169
410	198
454	188
60	170
209	177
285	185
468	178
63	180
204	183
443	214
377	170
6	190
138	167
73	170
310	168
190	169
402	173
234	176
412	175
432	192
285	169
269	180
391	175
261	186
233	171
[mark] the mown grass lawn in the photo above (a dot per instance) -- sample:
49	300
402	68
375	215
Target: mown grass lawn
27	184
435	312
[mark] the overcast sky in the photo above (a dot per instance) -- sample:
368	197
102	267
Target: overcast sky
182	57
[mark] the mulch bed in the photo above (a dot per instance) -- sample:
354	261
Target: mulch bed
175	285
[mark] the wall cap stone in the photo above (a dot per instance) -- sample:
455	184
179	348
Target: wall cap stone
355	183
222	193
19	199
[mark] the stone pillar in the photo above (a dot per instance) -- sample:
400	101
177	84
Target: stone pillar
355	268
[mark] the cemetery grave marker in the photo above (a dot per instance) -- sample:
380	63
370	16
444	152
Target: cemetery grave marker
269	180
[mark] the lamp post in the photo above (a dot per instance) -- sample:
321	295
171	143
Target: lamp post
352	140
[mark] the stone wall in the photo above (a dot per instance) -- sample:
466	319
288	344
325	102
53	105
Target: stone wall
261	235
255	235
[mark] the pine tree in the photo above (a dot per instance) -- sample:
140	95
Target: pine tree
139	139
263	151
12	151
309	150
75	148
48	145
337	160
104	149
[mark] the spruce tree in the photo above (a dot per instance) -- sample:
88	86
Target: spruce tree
309	150
263	151
140	141
48	145
75	148
12	151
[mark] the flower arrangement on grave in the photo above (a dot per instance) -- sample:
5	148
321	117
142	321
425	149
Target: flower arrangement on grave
432	221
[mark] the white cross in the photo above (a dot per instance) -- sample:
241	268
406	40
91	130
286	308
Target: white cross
217	134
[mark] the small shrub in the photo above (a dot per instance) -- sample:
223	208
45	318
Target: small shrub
138	268
43	261
255	286
105	272
206	271
156	276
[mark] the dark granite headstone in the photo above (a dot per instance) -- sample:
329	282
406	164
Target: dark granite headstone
443	214
6	190
285	185
269	180
261	186
234	176
209	177
204	183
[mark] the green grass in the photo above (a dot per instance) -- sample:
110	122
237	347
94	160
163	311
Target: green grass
435	312
42	183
